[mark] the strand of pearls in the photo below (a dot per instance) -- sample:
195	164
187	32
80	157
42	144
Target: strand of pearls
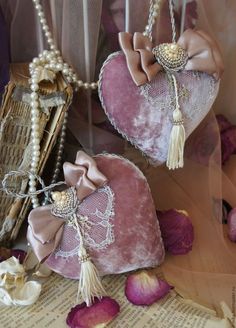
65	68
153	13
49	62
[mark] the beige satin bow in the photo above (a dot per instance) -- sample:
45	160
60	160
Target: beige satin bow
45	230
203	53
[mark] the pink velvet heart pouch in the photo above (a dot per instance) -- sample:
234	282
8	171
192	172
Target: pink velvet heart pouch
156	95
120	228
143	114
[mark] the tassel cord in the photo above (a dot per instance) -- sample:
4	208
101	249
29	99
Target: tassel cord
175	157
90	285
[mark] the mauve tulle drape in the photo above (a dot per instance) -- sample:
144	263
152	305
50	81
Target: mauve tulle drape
4	55
208	273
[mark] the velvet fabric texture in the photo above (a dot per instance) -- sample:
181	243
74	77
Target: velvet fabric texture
143	115
136	241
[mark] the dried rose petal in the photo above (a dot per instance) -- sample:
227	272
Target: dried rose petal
19	254
176	230
231	219
144	288
5	253
223	122
228	143
97	315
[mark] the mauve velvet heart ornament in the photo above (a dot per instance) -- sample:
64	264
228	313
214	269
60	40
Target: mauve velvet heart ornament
120	226
138	96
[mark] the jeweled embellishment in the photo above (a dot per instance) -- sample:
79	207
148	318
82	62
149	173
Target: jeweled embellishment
65	203
171	56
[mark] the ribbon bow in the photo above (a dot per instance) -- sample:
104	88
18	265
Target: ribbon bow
45	230
203	55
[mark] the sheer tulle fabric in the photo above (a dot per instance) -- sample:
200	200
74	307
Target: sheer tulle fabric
208	273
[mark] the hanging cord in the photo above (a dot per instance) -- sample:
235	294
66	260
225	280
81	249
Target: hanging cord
175	156
183	14
44	189
172	19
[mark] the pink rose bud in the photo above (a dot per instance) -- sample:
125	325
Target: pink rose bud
144	288
99	314
176	230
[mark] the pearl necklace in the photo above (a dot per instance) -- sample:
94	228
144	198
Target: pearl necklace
45	66
153	13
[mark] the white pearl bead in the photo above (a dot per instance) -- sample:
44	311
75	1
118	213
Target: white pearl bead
59	67
43	21
34	103
36	153
38	7
32	183
45	28
94	85
35	80
80	83
86	85
34	87
34	95
36	148
48	35
35	134
36	61
65	71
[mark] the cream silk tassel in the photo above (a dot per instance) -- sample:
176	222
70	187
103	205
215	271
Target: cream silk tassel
90	285
175	157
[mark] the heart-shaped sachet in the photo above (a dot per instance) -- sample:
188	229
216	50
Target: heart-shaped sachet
117	220
139	97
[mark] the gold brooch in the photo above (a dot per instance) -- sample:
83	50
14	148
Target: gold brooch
170	56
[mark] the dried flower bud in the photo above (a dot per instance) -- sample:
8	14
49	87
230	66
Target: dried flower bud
177	231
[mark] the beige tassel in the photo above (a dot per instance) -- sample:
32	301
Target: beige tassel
175	157
90	285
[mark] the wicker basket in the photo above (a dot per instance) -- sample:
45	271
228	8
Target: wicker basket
15	146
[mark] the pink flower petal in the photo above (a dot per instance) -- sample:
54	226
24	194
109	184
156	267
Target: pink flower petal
5	253
144	288
176	230
97	315
228	143
231	219
19	254
223	122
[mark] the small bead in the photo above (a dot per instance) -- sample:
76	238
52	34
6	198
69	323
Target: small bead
34	87
80	83
94	85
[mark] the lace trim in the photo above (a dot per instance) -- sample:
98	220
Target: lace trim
102	222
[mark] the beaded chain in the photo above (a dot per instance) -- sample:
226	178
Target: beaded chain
50	62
